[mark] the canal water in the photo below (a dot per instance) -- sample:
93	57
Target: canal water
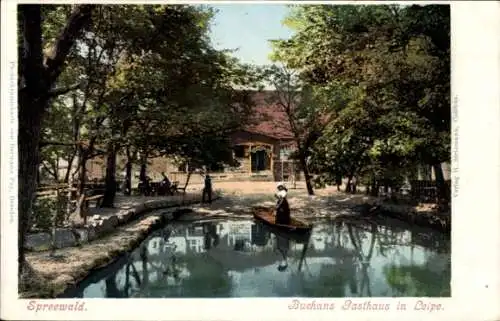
245	259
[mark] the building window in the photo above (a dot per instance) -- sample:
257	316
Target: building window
239	151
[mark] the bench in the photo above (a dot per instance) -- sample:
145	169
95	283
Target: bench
88	199
82	205
95	198
176	189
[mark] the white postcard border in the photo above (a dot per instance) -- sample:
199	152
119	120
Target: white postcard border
476	202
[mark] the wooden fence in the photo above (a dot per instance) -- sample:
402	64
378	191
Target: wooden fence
423	190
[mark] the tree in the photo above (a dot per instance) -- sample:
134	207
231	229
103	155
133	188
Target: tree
38	73
392	64
303	112
143	87
176	88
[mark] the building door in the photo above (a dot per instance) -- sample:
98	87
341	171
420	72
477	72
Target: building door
259	161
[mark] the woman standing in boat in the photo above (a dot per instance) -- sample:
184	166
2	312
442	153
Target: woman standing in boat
282	207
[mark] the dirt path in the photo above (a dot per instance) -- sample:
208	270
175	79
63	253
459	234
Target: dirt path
238	198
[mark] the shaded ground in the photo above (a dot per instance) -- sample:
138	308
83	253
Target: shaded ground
123	203
238	198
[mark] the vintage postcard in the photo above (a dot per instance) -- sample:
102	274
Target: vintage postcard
250	160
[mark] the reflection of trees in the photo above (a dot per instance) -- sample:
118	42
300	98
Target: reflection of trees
412	279
260	234
363	265
210	278
350	269
126	288
210	236
330	282
396	234
201	280
332	278
111	288
350	245
351	266
418	280
305	246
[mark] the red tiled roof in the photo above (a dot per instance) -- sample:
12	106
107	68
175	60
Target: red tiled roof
268	118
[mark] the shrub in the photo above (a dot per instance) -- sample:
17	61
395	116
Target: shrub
44	210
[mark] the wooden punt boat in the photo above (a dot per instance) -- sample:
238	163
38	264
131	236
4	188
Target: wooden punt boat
266	216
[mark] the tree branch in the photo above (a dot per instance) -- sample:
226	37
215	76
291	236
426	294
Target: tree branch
54	62
49	170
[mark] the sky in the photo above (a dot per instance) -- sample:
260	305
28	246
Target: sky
248	27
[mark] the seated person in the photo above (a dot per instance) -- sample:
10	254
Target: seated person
166	185
282	207
165	180
147	186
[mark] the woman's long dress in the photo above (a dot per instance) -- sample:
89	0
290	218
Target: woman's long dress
282	212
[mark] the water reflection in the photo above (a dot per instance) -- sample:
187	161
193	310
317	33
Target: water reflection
247	259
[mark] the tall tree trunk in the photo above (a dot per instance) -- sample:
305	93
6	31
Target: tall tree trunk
76	136
307	176
144	165
56	171
348	187
30	113
28	140
56	216
70	166
110	192
128	178
69	196
187	180
30	118
128	174
374	188
83	172
34	97
338	180
38	176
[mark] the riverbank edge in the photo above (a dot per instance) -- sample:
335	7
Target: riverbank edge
431	218
105	225
46	288
40	286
